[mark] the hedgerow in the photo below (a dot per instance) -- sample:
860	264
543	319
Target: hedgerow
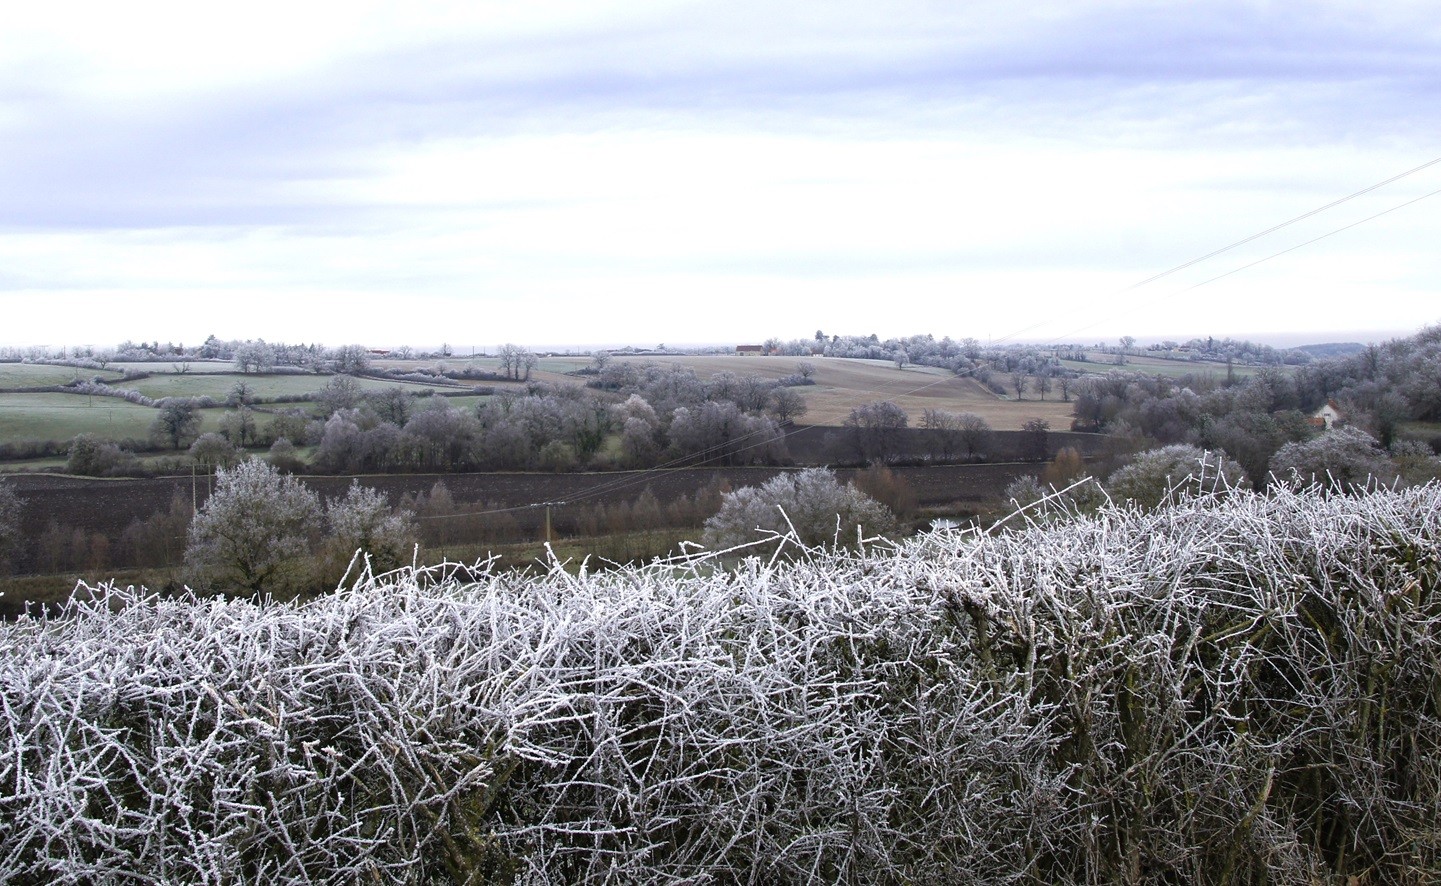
1238	690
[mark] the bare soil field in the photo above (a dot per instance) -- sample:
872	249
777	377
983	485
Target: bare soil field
108	506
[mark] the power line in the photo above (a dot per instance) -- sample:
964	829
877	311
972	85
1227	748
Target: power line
1305	215
1315	239
1274	228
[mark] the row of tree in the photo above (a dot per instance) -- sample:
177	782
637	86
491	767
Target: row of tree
655	414
1379	391
263	532
1343	460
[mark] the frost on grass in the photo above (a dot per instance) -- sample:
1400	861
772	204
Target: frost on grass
1226	690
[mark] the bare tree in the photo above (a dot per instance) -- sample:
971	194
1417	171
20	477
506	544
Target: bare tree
351	359
362	523
341	392
516	362
213	450
1043	384
786	405
812	506
241	394
975	435
255	356
238	426
875	430
1035	439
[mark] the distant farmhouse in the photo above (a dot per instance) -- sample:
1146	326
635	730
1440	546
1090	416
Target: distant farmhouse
750	350
1328	416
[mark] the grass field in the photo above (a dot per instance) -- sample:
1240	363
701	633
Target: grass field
1100	364
841	385
37	375
219	385
34	464
62	416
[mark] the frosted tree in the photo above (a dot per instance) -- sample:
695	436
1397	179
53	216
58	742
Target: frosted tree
363	522
1340	459
255	534
212	449
1165	474
811	504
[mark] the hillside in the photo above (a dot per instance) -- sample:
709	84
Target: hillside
1238	690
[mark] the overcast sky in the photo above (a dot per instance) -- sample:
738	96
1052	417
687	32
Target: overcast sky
587	173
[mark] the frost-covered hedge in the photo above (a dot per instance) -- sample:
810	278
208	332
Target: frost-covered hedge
1241	690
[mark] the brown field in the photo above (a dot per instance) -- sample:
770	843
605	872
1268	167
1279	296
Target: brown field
108	505
842	384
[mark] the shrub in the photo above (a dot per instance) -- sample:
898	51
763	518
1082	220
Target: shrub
1234	689
213	450
285	458
1341	459
255	533
362	524
1166	474
882	484
93	457
810	508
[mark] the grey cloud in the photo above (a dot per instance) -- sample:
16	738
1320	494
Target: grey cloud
1169	73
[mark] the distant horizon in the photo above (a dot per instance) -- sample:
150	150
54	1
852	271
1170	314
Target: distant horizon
1279	340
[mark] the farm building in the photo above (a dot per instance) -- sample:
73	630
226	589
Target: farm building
1328	416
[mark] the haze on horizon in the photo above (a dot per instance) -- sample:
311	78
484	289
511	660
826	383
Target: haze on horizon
642	172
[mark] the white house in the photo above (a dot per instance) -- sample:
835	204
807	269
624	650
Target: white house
1328	416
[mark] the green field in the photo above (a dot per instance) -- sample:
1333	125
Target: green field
467	404
157	367
40	375
219	385
56	464
62	416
